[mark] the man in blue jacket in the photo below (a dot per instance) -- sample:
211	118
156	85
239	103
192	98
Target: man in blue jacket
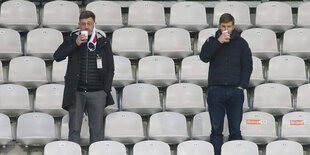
229	73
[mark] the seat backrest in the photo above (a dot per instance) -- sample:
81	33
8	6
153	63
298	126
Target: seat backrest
62	148
69	12
14	97
107	147
10	42
201	125
303	15
204	35
59	70
5	125
193	67
49	97
156	67
258	123
295	124
195	147
122	67
151	147
240	147
257	72
303	97
284	147
274	13
290	44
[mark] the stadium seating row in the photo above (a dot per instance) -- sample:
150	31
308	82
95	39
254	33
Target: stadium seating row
149	15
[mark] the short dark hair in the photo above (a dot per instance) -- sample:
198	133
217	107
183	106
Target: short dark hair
87	14
226	18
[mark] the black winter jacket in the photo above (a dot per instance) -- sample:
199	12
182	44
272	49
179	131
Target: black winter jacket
69	49
230	63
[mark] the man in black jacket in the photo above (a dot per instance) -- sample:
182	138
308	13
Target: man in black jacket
229	73
88	79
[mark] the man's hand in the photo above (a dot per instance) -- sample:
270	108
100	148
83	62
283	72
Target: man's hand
224	38
240	87
80	39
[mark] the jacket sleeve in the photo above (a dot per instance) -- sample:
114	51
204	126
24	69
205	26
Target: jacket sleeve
65	49
246	65
110	72
209	49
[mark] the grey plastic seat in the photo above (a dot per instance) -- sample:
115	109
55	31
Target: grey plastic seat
123	74
276	16
195	147
69	11
201	126
303	98
185	98
6	131
188	15
10	44
295	127
203	36
303	14
258	127
107	147
193	70
59	71
169	127
135	47
125	127
141	98
287	70
257	76
239	10
147	15
262	42
240	147
62	148
35	129
108	14
64	130
157	70
14	100
172	42
300	48
19	15
1	73
114	107
48	100
35	74
284	147
151	147
272	98
43	42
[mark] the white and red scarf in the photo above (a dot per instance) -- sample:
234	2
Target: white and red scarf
91	44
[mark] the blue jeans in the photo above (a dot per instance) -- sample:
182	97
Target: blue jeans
220	100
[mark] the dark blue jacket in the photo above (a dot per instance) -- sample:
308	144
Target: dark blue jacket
230	63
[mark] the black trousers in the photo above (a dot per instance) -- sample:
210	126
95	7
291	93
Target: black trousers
94	103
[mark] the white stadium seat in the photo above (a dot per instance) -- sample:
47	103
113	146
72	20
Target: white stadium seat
300	48
188	15
193	70
272	98
59	71
303	98
295	127
114	107
123	72
43	42
147	15
201	126
64	130
1	73
169	127
276	16
262	42
287	70
27	71
6	131
257	76
108	14
48	100
69	19
240	11
157	70
185	98
203	36
62	148
19	14
239	147
135	47
10	44
172	42
284	147
303	15
141	98
195	147
35	129
124	127
151	147
258	127
14	100
107	147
